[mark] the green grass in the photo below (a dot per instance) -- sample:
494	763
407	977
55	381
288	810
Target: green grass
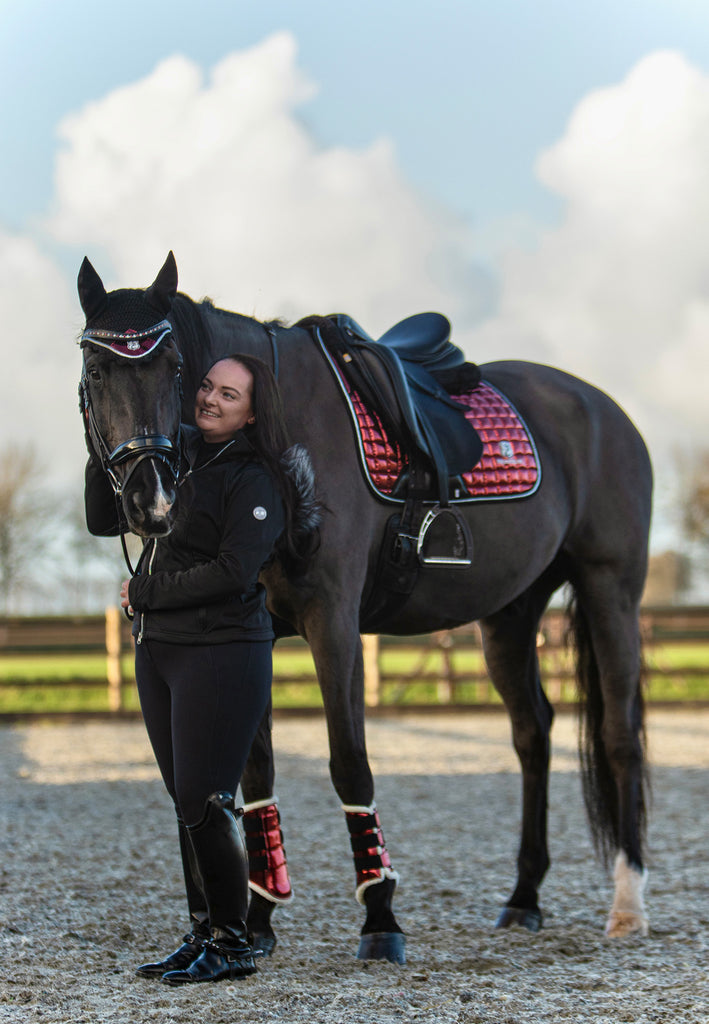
18	668
50	699
43	683
51	683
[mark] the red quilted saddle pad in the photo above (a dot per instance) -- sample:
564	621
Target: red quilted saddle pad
509	466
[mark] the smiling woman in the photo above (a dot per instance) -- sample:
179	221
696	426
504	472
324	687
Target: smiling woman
223	403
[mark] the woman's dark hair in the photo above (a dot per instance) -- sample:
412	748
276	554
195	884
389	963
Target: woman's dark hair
268	435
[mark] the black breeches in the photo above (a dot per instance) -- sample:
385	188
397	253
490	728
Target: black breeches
202	706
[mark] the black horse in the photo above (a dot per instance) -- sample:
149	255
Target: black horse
584	522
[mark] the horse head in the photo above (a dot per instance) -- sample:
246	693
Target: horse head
131	394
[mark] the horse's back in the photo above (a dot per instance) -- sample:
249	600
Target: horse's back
562	409
585	439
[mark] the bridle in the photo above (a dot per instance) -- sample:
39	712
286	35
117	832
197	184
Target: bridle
140	447
135	346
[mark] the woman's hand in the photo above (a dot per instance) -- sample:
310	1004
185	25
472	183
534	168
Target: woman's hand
125	600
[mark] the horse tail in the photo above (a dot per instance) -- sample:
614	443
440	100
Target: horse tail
600	792
302	535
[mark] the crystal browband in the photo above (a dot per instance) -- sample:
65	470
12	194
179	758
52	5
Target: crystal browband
128	344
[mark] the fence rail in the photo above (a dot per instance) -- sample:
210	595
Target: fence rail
449	663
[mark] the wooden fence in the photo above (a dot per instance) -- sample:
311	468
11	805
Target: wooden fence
449	663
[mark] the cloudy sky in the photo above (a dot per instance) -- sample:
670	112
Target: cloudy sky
538	172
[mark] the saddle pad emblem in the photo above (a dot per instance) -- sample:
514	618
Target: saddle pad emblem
508	468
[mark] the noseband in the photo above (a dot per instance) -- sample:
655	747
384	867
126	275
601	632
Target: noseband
131	345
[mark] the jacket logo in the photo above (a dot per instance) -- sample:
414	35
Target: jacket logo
260	512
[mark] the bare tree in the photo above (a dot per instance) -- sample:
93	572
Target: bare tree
689	508
695	499
669	578
90	569
25	521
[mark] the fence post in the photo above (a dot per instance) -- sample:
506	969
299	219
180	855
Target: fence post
444	687
114	670
372	675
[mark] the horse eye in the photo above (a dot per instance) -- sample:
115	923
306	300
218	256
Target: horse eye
94	375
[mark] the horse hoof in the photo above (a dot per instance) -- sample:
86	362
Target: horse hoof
627	914
383	946
529	919
263	945
622	923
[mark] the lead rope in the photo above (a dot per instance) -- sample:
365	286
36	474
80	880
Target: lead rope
126	557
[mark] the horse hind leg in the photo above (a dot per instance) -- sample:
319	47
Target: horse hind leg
509	642
612	740
627	914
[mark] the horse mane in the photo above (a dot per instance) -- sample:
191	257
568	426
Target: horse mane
193	341
190	321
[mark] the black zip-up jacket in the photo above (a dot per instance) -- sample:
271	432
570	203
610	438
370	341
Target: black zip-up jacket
199	584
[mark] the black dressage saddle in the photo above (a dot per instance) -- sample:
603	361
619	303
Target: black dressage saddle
417	362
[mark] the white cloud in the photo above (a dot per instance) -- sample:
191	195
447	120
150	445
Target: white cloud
260	218
619	292
39	405
221	169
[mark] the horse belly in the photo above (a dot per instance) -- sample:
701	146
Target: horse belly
443	598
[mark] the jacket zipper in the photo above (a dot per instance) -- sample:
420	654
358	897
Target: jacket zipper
139	638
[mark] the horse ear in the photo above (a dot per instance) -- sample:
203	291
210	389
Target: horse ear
92	294
164	288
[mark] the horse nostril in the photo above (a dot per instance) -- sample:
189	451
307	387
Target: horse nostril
136	505
150	500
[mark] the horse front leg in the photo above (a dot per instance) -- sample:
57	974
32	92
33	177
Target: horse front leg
338	659
269	882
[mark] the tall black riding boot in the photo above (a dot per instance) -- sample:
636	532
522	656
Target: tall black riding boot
193	942
223	868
